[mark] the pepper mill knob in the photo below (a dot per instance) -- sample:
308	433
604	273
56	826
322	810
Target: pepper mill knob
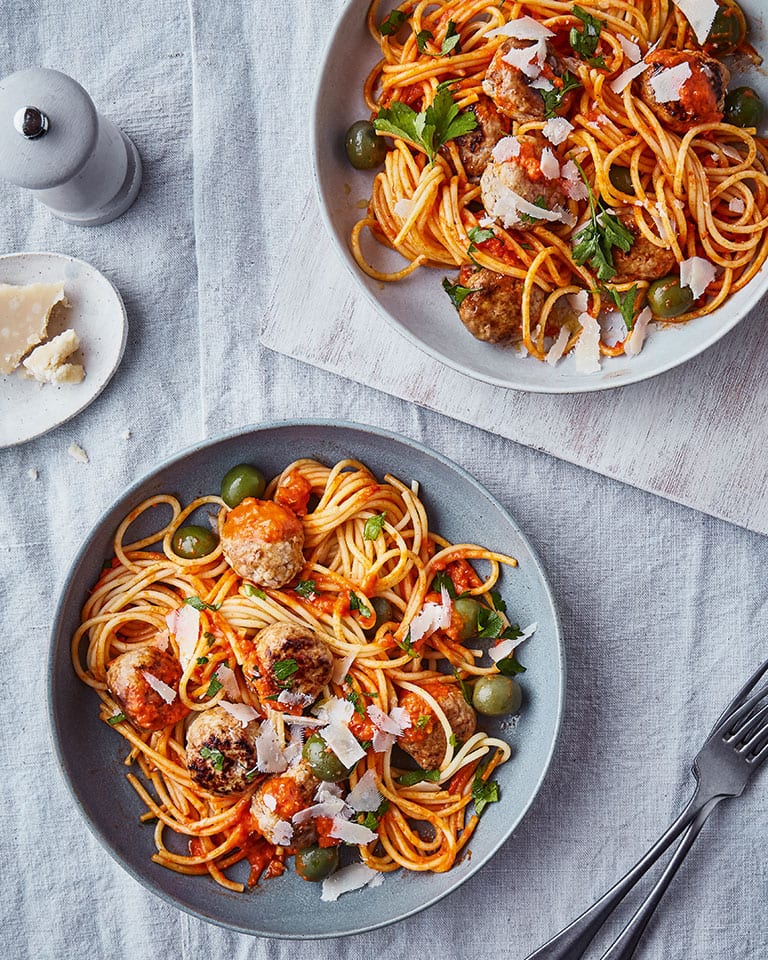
73	159
31	122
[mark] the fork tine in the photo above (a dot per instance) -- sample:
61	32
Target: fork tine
759	757
752	724
753	680
757	735
727	725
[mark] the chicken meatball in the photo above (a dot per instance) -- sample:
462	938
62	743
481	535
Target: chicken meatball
425	740
278	799
263	540
494	312
644	260
290	658
509	86
475	147
519	176
127	681
221	751
701	96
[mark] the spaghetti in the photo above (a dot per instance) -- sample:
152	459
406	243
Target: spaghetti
698	190
371	571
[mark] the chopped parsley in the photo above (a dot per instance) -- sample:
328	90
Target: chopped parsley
625	303
584	42
354	698
594	242
407	646
393	23
498	603
209	638
510	666
478	235
250	591
213	687
199	604
306	588
116	718
453	741
215	756
443	579
374	526
202	660
489	623
355	603
456	292
553	98
431	128
466	690
422	720
251	775
417	776
284	669
451	43
483	793
371	819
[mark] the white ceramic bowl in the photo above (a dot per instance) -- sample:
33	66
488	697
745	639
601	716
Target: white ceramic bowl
418	306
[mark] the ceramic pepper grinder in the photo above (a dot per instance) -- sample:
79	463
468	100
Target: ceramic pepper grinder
55	143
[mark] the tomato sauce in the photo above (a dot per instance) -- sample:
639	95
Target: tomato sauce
294	492
262	520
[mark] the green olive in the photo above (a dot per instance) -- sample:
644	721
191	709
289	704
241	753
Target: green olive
621	178
365	149
496	695
323	762
667	298
384	613
240	482
729	28
193	542
316	863
743	107
467	609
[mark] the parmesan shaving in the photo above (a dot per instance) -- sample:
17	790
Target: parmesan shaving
403	207
365	794
557	349
575	187
668	83
579	301
228	680
700	14
550	165
586	353
506	149
351	832
162	689
334	710
431	617
696	273
556	130
523	28
342	742
631	50
330	807
269	802
184	624
290	699
634	344
528	60
282	833
341	668
240	711
737	205
353	877
620	84
269	756
505	647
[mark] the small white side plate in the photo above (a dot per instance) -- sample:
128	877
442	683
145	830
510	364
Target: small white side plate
96	313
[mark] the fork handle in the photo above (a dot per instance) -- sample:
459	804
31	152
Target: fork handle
626	943
571	942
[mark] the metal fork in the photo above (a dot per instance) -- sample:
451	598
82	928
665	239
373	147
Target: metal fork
736	747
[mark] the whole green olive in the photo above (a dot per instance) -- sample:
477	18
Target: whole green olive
667	298
323	762
621	178
729	28
743	107
384	613
193	542
365	149
496	695
240	482
316	863
467	610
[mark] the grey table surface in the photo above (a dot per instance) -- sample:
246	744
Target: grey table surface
664	609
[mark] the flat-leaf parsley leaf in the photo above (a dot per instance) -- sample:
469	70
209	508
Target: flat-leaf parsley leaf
431	128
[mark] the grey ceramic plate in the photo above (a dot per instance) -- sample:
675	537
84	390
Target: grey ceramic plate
417	306
90	753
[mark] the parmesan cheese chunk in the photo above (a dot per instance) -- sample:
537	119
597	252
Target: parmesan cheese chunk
620	84
523	28
24	315
700	14
162	689
506	149
503	649
365	796
697	274
528	60
46	362
636	339
239	711
353	877
351	832
736	205
556	130
550	165
557	349
631	50
184	624
668	83
587	350
343	743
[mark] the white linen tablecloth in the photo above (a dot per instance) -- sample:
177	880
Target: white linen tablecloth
664	609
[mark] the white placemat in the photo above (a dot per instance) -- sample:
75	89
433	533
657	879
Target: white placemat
696	435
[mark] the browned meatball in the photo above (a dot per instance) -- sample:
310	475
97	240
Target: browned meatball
475	147
521	176
290	658
128	684
425	740
644	260
263	541
221	751
702	95
495	312
277	800
511	90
